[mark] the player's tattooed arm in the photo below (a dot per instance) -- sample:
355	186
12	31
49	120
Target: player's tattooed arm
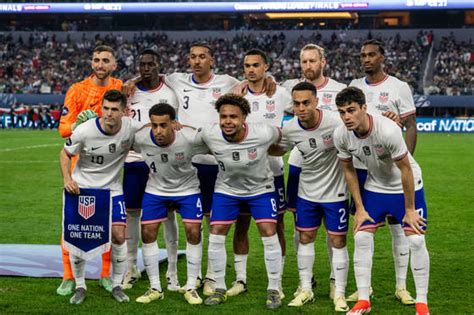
65	163
409	122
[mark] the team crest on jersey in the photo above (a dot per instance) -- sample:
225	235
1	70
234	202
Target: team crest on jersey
86	207
327	98
379	149
125	144
383	97
312	143
112	148
179	156
254	106
164	157
236	156
270	105
366	150
65	111
216	93
252	153
327	140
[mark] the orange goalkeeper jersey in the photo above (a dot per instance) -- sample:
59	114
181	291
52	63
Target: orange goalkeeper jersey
81	96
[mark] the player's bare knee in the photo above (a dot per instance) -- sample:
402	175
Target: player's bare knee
149	232
267	229
338	241
220	229
193	233
307	237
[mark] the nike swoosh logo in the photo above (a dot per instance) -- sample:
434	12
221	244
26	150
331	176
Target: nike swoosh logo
185	91
133	103
418	269
341	227
340	268
403	254
148	154
352	150
199	215
121	261
274	215
298	142
95	148
218	153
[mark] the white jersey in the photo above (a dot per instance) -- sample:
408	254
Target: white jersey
101	156
327	100
244	170
321	178
378	151
140	103
390	94
196	101
171	170
264	109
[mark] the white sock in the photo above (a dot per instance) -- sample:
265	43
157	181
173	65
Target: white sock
133	237
272	254
119	263
240	264
217	259
420	266
400	251
151	260
330	256
282	270
306	257
78	266
340	262
363	252
209	271
193	259
171	236
296	241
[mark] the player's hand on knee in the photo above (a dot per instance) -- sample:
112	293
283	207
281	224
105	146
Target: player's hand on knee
415	221
360	217
72	187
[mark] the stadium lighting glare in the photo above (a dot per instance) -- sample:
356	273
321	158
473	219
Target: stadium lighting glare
312	15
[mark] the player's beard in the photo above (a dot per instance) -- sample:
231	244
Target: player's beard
102	75
312	75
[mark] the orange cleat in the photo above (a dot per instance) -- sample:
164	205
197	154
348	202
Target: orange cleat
361	307
422	309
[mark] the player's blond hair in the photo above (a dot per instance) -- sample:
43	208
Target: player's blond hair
314	47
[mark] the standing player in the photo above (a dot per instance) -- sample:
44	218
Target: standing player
83	101
173	181
244	179
394	186
385	93
149	91
102	145
322	191
312	62
269	110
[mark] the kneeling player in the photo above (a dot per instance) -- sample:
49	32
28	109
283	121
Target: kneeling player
172	183
393	186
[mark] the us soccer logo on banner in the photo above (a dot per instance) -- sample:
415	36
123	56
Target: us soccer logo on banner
86	206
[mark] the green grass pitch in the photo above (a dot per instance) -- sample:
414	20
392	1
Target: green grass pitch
30	213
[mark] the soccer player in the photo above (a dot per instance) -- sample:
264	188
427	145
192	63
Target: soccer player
102	145
394	186
312	62
149	91
83	101
244	179
269	110
322	191
385	93
173	181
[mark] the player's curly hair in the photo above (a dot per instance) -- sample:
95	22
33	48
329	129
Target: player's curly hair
350	95
233	99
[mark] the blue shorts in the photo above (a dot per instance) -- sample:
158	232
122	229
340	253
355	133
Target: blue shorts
119	211
207	175
380	205
279	183
292	185
309	215
155	208
362	177
226	208
135	176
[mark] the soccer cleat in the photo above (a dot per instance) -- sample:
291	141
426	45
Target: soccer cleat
79	296
422	309
340	304
282	295
119	296
209	287
354	297
131	277
237	287
173	283
192	297
66	287
184	288
303	297
273	299
106	283
218	297
150	295
298	291
332	288
361	307
404	296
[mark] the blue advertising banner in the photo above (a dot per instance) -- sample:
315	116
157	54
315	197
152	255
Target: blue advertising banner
426	124
87	222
